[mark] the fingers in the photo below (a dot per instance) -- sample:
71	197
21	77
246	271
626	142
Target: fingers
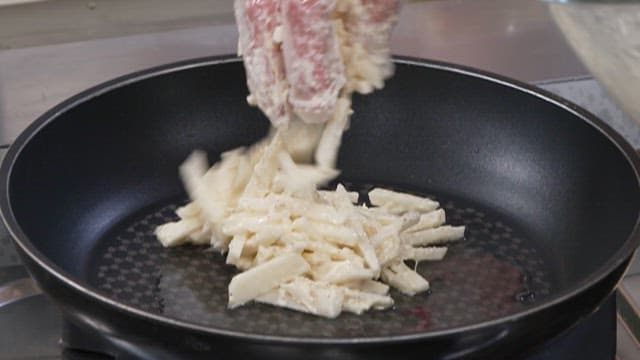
293	56
380	11
371	24
264	64
312	58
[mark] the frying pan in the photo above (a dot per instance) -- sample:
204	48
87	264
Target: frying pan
548	192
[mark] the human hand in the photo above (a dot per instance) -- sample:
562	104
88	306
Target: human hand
297	53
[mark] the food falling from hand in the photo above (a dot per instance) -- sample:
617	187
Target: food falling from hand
300	56
316	251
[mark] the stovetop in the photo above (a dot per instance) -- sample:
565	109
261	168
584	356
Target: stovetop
32	328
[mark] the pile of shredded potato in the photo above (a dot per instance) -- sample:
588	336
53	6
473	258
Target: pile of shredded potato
299	247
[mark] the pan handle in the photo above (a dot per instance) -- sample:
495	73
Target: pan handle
17	290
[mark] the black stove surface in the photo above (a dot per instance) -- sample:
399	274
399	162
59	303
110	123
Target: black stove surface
594	338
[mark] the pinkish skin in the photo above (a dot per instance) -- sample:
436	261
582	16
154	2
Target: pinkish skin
380	11
373	30
312	58
308	64
264	64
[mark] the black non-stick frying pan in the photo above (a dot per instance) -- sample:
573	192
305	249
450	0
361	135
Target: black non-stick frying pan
549	194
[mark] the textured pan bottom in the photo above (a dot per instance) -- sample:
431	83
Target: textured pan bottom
494	272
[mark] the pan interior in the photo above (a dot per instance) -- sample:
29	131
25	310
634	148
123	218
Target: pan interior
494	272
548	198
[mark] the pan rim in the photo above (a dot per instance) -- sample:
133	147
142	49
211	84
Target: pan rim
20	238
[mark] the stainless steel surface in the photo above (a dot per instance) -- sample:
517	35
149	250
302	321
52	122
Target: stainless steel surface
628	299
30	329
516	38
24	23
630	287
17	290
627	345
592	1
